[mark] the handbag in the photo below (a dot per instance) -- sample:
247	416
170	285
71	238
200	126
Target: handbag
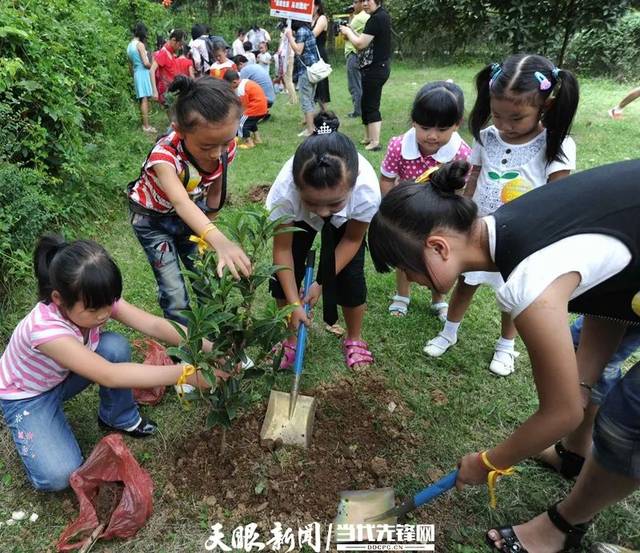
318	71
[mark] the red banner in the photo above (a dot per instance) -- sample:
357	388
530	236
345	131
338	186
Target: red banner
300	10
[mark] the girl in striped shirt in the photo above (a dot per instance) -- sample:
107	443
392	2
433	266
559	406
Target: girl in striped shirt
59	349
182	186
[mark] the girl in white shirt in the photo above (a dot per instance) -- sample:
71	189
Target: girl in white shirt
570	248
532	104
326	187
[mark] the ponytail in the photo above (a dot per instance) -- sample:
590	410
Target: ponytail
410	212
482	108
79	270
559	111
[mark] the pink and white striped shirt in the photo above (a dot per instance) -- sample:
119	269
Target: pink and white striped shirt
24	370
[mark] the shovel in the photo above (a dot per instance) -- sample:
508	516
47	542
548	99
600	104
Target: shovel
377	506
289	418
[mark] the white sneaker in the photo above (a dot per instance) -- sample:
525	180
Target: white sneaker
503	362
438	345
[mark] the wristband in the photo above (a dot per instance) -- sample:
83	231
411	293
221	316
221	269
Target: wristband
200	240
492	477
187	371
295	304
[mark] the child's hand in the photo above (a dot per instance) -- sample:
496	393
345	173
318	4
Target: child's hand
197	380
471	471
230	255
299	316
313	294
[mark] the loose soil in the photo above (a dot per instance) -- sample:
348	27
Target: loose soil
108	498
258	193
361	440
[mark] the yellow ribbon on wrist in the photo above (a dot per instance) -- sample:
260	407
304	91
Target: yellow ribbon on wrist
492	477
296	304
200	240
187	371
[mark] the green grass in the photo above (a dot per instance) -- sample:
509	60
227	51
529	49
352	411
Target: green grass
481	409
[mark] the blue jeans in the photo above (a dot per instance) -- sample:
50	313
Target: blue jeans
613	371
354	82
165	241
45	442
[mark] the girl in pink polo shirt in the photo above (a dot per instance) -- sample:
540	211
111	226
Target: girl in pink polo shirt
432	140
59	349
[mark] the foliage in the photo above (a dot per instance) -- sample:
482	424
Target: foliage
227	314
612	51
498	27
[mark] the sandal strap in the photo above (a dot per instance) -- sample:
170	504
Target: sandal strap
571	463
511	542
574	533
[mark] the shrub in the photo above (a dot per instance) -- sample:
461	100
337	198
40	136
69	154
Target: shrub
612	51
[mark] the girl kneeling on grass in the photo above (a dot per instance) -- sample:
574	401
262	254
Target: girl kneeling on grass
59	349
183	185
548	246
433	139
328	187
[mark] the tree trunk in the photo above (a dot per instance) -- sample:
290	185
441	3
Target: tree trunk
223	441
568	31
210	10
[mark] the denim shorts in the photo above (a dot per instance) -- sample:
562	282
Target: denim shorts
616	435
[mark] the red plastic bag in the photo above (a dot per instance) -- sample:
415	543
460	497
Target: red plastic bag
154	354
110	465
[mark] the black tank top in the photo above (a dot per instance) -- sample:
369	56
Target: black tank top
605	200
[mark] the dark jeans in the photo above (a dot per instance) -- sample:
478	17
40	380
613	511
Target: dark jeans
165	241
374	77
354	82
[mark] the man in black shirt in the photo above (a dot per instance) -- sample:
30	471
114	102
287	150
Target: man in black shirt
374	45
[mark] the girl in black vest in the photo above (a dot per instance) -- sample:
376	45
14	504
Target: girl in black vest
560	249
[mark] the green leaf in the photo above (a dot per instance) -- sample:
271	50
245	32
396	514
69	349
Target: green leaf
510	175
493	175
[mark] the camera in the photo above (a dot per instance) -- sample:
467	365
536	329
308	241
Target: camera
336	25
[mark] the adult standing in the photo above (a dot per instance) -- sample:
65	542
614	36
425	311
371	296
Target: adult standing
256	35
140	64
164	68
303	44
354	78
374	45
319	29
237	46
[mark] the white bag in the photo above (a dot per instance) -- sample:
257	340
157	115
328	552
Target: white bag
319	71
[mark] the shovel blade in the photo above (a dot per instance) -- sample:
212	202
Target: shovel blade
278	427
356	507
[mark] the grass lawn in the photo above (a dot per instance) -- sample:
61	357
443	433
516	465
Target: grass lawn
454	404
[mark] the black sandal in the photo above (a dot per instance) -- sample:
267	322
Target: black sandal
570	463
574	534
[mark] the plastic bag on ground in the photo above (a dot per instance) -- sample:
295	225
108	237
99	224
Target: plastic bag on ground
154	354
111	467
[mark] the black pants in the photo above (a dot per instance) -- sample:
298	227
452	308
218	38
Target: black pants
350	282
374	77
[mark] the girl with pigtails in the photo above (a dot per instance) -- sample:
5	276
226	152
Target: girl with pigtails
570	248
531	104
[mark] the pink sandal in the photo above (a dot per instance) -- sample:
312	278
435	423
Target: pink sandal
289	355
356	353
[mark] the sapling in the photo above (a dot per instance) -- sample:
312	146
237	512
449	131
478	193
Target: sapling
229	314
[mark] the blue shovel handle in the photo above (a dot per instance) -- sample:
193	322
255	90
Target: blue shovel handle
437	488
302	329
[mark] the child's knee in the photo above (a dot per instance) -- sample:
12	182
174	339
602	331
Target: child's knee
114	347
54	479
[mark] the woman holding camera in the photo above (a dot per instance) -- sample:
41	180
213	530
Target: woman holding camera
374	46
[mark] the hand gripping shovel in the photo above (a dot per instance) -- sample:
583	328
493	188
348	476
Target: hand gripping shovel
377	506
289	417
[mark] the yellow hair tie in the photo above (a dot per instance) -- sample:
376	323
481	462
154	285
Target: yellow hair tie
492	477
200	240
427	174
187	371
